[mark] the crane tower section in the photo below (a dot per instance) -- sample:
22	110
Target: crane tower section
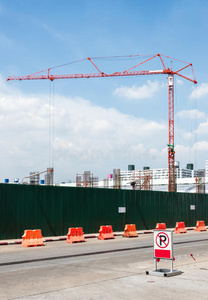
171	151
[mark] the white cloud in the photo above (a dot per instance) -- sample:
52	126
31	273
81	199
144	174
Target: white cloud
139	92
202	129
200	91
195	153
191	114
201	146
187	136
182	148
179	81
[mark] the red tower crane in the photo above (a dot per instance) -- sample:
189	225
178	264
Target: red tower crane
131	72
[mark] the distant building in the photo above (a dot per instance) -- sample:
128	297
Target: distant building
206	168
185	178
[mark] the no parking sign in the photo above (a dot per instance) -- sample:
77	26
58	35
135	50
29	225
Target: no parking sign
163	248
163	244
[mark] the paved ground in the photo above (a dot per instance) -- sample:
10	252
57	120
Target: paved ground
116	270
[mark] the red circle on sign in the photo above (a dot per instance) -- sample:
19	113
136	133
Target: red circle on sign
163	243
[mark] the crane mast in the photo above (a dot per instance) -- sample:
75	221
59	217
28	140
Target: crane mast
171	151
131	72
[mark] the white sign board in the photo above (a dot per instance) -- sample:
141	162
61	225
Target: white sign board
192	207
163	244
122	210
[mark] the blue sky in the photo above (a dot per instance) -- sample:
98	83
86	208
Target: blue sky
100	124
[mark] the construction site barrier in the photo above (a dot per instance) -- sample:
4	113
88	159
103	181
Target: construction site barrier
180	227
160	226
32	238
130	230
75	235
106	232
200	226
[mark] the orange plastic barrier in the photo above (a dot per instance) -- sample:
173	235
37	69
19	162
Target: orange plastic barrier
32	238
106	232
200	226
130	230
180	227
75	235
160	226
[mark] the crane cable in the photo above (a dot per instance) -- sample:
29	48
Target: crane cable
51	125
178	133
195	126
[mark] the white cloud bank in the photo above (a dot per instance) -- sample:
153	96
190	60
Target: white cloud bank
191	114
86	137
139	92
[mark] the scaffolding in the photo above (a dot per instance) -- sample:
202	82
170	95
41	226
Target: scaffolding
143	181
34	178
49	176
105	183
116	179
200	182
86	180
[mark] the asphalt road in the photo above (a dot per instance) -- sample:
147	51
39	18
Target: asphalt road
111	269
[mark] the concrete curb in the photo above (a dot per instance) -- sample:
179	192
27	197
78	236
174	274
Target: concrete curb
88	236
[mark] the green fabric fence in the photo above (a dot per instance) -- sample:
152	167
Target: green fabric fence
54	209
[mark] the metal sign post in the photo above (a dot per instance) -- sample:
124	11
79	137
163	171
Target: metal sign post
163	249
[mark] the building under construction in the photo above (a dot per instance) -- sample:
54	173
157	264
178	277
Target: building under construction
86	180
200	182
49	176
187	179
34	177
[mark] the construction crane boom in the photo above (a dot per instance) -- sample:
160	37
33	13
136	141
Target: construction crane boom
131	72
128	72
96	75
